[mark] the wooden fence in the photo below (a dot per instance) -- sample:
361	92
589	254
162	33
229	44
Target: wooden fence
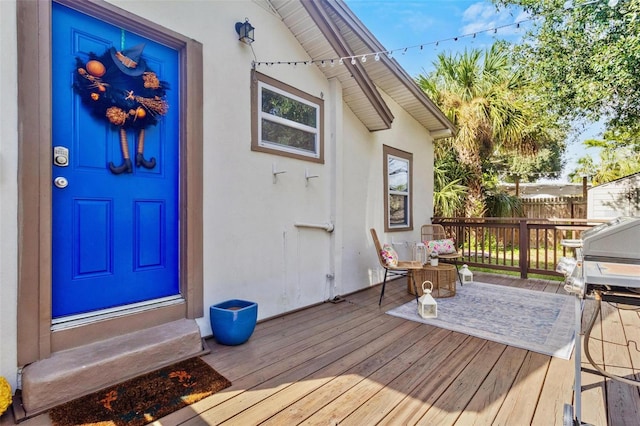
558	207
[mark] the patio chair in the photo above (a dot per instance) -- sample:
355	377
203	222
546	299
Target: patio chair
434	233
399	268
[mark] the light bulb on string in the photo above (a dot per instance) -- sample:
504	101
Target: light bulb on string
403	50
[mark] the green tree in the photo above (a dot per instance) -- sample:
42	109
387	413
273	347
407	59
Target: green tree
618	158
487	98
585	55
449	189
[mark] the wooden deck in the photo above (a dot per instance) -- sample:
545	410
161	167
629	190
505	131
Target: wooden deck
350	363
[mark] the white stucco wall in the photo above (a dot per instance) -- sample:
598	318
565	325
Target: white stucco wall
252	248
249	224
364	193
8	192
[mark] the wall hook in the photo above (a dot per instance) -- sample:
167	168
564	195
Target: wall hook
307	176
276	172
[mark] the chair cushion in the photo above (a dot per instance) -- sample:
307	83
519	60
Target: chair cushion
444	246
389	255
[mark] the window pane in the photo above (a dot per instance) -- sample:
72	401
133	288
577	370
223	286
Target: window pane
282	106
398	174
284	135
398	205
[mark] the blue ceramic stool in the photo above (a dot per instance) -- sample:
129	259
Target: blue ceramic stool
233	321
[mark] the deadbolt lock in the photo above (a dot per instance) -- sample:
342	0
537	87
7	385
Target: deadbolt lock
60	156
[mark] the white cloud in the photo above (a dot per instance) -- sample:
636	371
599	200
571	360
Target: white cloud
482	17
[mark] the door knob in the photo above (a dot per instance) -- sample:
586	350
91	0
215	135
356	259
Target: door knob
60	182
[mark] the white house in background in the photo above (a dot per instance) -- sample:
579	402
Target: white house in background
545	190
620	197
237	196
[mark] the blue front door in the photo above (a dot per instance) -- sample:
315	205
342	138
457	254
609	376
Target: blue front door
115	235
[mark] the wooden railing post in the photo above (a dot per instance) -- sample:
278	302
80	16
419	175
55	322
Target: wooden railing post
524	248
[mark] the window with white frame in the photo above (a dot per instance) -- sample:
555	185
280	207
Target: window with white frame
286	121
397	166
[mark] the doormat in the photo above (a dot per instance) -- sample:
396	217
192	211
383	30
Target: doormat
143	399
532	320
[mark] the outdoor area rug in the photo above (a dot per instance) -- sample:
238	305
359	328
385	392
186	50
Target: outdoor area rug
143	399
533	320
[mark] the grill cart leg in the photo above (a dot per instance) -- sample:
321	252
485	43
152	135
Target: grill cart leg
577	387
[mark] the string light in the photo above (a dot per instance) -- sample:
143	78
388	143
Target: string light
390	53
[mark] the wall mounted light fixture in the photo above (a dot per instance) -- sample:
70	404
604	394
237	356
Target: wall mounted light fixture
245	31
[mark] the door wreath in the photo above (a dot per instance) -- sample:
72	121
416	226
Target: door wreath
118	86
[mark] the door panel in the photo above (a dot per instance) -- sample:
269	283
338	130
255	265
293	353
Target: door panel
115	236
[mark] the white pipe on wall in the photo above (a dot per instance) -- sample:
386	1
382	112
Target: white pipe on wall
326	226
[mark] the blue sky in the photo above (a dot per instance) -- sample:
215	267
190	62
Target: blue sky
399	24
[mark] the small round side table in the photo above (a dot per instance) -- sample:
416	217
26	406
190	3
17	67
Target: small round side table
442	276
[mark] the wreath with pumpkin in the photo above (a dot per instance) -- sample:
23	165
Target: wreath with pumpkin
118	87
5	395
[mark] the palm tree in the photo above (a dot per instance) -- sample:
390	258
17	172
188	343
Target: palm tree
449	189
478	93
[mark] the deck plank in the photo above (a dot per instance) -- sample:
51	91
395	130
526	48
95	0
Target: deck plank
520	404
556	392
380	392
485	404
351	363
421	398
309	404
448	407
279	401
288	370
622	398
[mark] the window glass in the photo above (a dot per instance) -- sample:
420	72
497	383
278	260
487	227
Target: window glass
286	120
397	177
281	134
282	106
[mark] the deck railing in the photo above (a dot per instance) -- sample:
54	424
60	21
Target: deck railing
525	245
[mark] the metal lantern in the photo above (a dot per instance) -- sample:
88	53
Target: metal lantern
427	306
466	276
420	253
245	31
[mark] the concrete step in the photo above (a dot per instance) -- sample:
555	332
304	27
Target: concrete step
72	373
